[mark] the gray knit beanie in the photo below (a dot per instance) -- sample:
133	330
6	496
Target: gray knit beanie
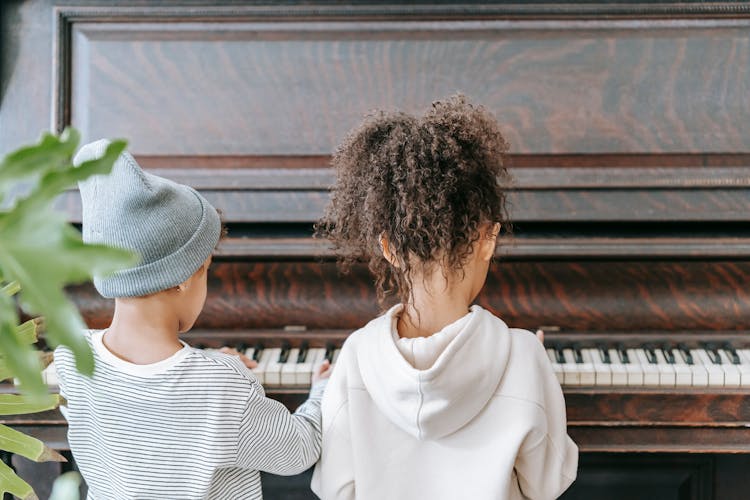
172	227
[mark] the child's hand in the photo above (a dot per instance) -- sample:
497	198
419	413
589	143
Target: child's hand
540	335
322	372
233	352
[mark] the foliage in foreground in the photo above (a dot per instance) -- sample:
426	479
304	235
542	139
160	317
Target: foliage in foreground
41	253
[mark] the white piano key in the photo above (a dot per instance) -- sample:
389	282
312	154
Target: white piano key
667	374
683	372
336	355
570	369
619	371
303	369
651	376
744	367
636	372
698	370
602	370
260	370
715	373
273	367
586	369
289	369
249	352
49	375
732	376
556	367
314	358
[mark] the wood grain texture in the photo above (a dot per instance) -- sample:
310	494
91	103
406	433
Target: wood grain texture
264	88
579	296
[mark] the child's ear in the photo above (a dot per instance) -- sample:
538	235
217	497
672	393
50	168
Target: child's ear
385	248
488	241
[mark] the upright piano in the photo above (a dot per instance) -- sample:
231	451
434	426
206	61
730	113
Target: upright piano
630	153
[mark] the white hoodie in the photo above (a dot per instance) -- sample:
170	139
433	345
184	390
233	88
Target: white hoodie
485	421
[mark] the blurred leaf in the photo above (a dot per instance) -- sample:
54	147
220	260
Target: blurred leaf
55	181
11	288
19	443
19	357
11	483
18	404
28	332
42	252
49	154
66	487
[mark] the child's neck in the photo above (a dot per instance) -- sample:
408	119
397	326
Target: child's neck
141	332
430	311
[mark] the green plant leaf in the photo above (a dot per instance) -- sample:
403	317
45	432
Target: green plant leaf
28	332
45	359
11	288
55	181
11	483
18	404
66	487
19	357
19	443
42	252
49	154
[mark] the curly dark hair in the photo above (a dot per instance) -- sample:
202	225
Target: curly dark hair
426	184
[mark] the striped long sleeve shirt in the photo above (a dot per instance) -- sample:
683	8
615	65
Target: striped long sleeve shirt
195	425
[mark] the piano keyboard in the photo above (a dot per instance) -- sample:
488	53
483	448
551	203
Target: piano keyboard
651	366
647	366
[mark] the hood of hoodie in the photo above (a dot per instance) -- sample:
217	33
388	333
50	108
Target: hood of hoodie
433	403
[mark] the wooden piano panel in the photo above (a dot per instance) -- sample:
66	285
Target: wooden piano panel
245	81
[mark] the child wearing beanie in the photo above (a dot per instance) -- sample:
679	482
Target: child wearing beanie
158	419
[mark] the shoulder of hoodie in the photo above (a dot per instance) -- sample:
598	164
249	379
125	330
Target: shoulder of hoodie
363	334
528	375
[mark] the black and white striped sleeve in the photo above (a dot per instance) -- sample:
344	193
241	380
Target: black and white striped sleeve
272	439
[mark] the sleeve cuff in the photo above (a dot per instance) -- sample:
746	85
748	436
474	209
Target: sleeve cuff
317	390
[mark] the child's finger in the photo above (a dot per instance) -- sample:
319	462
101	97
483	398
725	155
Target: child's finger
322	371
540	335
233	352
248	362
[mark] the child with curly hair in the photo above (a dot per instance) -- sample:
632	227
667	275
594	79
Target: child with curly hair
437	398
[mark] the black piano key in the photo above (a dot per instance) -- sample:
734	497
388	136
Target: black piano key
650	354
713	354
241	347
304	348
577	354
624	358
604	353
330	350
668	354
200	346
686	353
258	351
284	355
559	355
731	353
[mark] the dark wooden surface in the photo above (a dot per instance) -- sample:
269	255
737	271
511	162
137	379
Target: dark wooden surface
627	123
581	296
556	86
